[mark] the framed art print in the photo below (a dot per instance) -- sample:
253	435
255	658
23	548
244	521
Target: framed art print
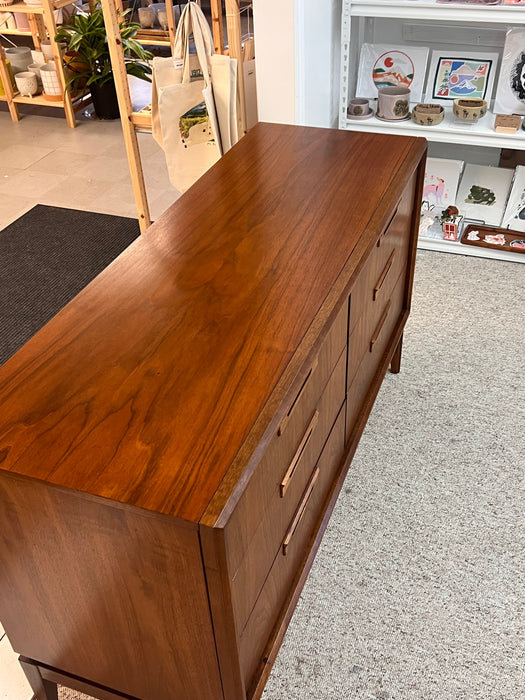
381	65
441	182
453	75
514	217
483	193
510	90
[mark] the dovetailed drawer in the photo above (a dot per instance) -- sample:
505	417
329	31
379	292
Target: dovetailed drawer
283	495
386	261
292	553
264	484
372	354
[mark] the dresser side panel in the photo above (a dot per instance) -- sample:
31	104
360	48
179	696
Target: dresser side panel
112	594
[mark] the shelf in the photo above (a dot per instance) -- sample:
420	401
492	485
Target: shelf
429	10
442	246
32	9
479	134
16	32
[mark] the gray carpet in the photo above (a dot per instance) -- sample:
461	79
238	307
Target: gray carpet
46	257
417	591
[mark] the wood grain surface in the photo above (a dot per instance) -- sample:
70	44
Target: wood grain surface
143	389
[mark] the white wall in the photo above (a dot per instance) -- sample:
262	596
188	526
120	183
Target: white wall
273	23
297	48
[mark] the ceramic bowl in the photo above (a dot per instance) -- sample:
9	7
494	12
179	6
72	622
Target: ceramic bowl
469	108
428	114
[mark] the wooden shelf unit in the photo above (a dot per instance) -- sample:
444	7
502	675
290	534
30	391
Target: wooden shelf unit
358	17
42	23
133	121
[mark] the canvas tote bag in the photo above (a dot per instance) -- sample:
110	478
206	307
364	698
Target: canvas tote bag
186	123
184	102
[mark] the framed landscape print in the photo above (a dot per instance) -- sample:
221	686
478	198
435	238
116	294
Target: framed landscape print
453	75
510	90
382	65
483	193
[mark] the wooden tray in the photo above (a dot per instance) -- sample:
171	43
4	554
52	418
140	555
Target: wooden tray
483	231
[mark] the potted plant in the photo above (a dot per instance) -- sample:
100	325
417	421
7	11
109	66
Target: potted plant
86	35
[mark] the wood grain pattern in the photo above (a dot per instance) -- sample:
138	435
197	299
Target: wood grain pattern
112	594
164	362
142	519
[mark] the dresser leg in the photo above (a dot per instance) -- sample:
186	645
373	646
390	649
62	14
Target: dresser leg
395	364
43	690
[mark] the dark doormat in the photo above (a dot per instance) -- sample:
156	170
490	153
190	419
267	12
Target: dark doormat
46	257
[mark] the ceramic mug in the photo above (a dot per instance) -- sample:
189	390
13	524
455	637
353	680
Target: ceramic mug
26	83
393	103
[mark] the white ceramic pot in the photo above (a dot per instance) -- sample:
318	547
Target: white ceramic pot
50	80
20	57
35	68
393	104
26	83
146	17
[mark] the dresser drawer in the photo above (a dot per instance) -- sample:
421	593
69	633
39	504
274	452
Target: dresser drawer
292	553
265	483
284	496
377	343
363	331
386	260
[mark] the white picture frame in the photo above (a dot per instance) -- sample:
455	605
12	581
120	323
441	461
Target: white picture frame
455	75
385	65
493	185
442	177
510	89
514	217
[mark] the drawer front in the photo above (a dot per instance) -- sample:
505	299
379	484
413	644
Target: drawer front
386	261
377	343
284	497
264	483
296	543
370	324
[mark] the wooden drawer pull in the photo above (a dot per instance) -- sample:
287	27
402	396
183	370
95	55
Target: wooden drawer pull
287	417
385	272
300	511
379	326
387	227
297	456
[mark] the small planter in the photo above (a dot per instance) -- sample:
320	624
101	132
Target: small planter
105	100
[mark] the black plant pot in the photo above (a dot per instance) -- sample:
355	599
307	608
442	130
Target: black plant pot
105	100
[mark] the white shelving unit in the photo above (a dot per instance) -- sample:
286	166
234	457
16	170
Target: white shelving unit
358	17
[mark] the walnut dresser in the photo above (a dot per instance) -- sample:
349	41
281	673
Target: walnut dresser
173	442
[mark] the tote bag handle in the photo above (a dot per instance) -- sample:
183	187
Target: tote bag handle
194	22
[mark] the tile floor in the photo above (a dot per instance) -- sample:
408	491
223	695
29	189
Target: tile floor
42	161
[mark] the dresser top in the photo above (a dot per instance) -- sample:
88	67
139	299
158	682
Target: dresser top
144	388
